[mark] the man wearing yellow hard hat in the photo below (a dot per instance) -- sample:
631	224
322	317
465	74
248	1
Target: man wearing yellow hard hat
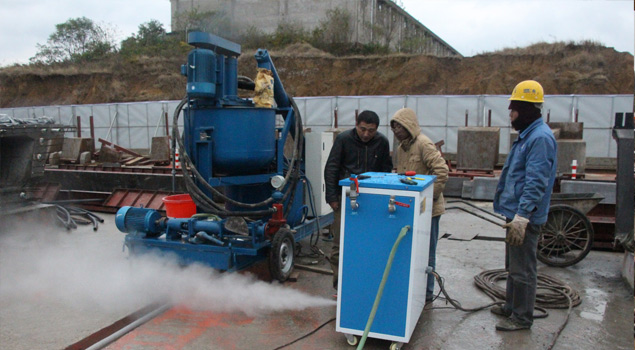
522	196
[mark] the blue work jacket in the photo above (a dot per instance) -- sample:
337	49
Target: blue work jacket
528	175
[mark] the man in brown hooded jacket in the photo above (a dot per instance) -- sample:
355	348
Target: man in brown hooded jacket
416	152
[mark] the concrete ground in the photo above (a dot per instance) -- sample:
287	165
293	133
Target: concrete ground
57	288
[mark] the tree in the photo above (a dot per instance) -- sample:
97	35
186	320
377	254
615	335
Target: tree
75	40
150	39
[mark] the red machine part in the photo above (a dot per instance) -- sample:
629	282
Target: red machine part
277	220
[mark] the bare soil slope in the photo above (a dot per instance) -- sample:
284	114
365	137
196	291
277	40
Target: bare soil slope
305	71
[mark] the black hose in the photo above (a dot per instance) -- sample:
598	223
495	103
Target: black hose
487	281
70	217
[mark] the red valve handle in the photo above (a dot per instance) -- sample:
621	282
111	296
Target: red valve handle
402	204
354	179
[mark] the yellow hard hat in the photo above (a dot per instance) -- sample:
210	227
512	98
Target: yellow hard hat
528	91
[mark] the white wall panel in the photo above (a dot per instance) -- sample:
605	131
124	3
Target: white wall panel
458	106
346	107
317	111
558	108
595	111
133	125
432	111
499	107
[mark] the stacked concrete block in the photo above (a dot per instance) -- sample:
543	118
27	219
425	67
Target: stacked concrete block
571	146
477	148
74	146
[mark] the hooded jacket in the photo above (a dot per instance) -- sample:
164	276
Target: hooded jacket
418	153
349	155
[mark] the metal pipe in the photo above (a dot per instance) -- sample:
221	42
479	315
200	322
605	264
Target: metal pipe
167	127
79	126
125	330
335	118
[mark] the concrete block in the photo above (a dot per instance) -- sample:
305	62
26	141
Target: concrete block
84	158
454	186
108	154
568	130
477	148
54	144
466	192
54	158
74	146
568	150
160	149
484	188
606	189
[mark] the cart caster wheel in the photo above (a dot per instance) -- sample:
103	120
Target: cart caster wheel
352	340
396	346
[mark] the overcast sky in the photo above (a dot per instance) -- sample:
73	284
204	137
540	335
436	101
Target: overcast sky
470	26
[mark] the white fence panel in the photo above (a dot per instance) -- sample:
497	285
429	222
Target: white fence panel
132	125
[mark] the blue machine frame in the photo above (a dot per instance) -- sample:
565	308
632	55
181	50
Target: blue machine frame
236	146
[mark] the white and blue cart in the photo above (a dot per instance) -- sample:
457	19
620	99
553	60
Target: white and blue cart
375	207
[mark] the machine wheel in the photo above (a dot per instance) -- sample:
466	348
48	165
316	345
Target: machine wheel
566	238
396	346
352	340
281	254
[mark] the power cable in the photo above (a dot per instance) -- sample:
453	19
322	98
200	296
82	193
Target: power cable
306	335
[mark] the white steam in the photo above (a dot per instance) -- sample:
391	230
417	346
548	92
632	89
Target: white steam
83	270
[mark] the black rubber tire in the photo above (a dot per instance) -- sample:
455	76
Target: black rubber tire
282	255
566	238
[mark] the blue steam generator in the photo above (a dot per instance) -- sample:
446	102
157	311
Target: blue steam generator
376	207
248	186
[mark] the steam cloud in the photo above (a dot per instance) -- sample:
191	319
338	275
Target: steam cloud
84	271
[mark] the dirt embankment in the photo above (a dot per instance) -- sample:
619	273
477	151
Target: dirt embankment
308	72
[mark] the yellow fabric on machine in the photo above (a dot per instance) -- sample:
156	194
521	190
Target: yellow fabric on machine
264	88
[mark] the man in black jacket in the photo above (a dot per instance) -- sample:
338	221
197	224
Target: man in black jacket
354	151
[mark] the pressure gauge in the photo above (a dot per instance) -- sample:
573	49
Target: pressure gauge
277	182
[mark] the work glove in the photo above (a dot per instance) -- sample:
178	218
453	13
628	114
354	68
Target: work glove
516	233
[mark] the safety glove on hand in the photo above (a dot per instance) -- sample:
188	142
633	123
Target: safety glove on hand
516	233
